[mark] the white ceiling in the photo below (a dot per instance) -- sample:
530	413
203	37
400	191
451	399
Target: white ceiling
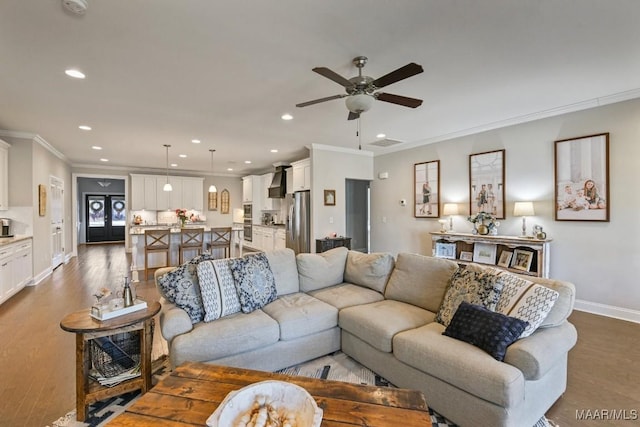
168	71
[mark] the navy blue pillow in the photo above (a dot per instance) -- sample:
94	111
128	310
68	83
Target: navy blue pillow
493	332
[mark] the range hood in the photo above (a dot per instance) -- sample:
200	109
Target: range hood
278	187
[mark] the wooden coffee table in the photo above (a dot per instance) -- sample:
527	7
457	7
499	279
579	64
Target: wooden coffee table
194	390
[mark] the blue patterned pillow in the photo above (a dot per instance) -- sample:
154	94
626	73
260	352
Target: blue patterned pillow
490	331
254	281
217	288
180	286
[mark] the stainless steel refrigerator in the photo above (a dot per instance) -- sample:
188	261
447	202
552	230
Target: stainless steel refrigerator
299	222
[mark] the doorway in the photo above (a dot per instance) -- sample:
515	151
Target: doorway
56	189
357	226
105	217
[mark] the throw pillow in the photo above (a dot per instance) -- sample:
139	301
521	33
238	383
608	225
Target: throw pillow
525	300
474	284
318	271
254	281
180	286
219	296
490	331
369	270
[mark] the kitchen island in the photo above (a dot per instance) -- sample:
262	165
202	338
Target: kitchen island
157	260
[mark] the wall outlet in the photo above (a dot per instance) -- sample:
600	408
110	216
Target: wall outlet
330	220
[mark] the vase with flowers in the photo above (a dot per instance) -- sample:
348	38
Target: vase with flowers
181	214
484	223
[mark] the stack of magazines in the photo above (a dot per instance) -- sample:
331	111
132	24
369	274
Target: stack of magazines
117	379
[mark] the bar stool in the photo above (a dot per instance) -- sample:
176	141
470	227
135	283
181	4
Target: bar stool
220	239
191	239
156	241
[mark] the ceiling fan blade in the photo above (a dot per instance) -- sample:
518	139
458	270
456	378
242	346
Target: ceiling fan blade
332	75
401	73
397	99
317	101
353	116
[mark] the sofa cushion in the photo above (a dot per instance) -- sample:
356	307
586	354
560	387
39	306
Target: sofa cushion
377	323
525	300
474	284
420	280
237	333
370	270
254	281
285	271
563	305
219	295
181	287
300	314
460	364
346	294
317	271
493	332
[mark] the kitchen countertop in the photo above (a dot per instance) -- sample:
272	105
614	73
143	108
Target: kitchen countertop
17	238
276	226
138	230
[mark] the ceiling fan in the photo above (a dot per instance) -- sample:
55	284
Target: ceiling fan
361	90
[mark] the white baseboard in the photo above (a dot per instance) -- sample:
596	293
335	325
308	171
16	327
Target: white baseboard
40	277
608	310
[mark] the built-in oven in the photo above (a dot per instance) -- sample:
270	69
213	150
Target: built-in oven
248	221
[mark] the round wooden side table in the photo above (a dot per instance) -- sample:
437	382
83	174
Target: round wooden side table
87	328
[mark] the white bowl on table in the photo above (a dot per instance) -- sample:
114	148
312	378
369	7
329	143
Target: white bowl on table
291	397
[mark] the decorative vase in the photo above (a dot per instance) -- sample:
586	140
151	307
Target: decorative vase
182	222
483	229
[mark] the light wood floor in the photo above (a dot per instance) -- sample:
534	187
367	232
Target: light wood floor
37	358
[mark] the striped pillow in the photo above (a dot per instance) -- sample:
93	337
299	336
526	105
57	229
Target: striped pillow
219	295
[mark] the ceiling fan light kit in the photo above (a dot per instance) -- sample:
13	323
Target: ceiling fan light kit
361	90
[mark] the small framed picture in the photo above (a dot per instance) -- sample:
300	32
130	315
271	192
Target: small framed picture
466	256
505	258
521	259
446	250
329	197
485	253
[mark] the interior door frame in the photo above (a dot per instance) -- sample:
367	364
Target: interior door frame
74	207
57	258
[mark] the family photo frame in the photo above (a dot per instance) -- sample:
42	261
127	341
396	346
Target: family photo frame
426	189
486	183
521	259
582	178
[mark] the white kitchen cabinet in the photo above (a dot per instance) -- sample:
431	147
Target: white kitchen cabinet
175	195
250	186
16	268
256	241
192	193
280	241
301	175
143	192
267	239
4	176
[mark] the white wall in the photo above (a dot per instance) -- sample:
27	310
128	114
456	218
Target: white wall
598	257
330	167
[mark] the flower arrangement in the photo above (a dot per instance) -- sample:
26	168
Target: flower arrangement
181	214
484	223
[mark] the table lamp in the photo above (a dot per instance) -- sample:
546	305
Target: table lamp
450	209
523	209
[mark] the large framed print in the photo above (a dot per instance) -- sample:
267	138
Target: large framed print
582	178
485	253
486	183
426	189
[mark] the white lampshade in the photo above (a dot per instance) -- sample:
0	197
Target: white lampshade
359	103
450	209
167	187
523	209
213	189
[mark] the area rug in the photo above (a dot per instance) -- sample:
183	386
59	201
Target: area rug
337	366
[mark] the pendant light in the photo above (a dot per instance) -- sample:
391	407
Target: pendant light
212	187
167	186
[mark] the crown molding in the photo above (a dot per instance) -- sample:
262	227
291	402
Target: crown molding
324	147
35	138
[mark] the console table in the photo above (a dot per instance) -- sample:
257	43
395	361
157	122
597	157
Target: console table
323	245
87	328
465	242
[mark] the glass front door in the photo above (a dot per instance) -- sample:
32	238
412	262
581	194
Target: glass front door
105	218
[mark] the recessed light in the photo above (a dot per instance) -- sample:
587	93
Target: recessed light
84	127
76	74
273	150
184	156
95	147
380	135
229	169
286	116
174	165
247	162
196	141
104	160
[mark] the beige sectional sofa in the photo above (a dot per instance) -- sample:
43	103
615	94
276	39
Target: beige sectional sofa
381	311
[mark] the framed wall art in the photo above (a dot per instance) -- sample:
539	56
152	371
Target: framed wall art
42	200
445	250
212	200
582	178
486	183
329	197
426	189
